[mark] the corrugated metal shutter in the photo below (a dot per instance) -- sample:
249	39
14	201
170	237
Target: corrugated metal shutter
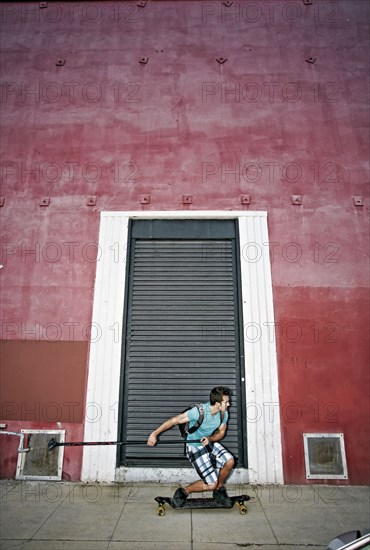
182	334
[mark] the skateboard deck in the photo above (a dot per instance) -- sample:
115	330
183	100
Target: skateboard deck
201	503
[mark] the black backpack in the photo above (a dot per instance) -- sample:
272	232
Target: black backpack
184	428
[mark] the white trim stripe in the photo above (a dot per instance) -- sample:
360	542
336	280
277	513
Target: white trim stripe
105	350
262	395
264	437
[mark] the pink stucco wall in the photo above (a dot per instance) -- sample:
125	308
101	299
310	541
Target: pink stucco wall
286	114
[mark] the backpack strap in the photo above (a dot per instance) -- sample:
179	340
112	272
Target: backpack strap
184	428
201	418
194	428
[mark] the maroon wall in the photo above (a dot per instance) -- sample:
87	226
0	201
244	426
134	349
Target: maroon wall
285	114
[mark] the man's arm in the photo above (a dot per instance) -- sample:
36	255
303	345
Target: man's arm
174	421
217	436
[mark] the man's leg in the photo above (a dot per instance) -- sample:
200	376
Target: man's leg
202	463
200	486
204	467
225	472
200	459
225	462
182	493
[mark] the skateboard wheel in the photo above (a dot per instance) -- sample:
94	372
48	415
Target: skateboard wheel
243	509
161	510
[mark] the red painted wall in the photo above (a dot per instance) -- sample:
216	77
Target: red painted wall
285	114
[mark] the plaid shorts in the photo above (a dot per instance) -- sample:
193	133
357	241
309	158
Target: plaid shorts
206	460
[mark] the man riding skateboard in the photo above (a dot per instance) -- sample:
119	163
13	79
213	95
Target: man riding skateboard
208	454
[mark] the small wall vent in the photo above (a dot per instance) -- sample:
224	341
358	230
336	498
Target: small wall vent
325	456
39	463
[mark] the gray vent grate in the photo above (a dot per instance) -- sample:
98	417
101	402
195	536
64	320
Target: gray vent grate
39	463
325	456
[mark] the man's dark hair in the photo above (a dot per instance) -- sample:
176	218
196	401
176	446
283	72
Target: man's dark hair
217	393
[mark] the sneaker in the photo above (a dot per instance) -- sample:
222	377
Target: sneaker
179	497
220	495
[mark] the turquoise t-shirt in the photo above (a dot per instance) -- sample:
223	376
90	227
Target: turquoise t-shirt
209	425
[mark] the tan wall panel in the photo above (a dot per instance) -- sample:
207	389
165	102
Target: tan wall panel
42	381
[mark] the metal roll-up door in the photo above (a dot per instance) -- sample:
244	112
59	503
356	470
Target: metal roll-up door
182	332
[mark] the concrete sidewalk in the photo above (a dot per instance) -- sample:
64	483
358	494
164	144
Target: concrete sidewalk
74	516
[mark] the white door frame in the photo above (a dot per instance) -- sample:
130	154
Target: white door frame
260	368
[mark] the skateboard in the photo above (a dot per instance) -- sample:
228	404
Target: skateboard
201	503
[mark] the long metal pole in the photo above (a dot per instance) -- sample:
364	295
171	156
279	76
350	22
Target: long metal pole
54	443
